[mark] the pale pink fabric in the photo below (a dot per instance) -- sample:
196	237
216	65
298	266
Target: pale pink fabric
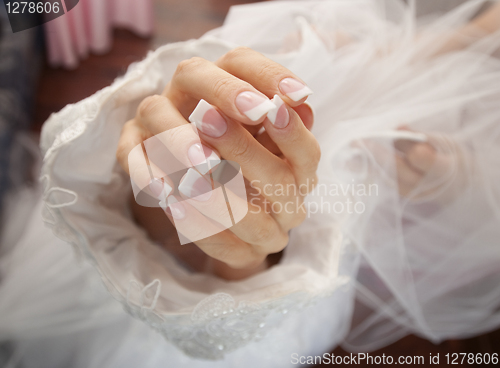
88	28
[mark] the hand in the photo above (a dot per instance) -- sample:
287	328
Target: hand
430	167
237	88
436	170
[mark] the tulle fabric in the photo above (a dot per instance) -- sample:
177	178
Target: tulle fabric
88	28
430	259
424	263
54	306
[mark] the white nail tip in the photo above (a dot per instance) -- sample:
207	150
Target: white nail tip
167	189
212	161
300	94
278	102
186	186
168	204
260	110
172	200
164	195
178	213
199	112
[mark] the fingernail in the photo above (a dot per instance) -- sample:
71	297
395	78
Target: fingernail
159	188
193	185
208	120
279	116
253	105
203	158
294	89
174	208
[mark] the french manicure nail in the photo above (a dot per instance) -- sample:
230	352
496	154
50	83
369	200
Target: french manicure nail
195	186
203	158
174	208
208	120
253	105
279	116
159	188
294	89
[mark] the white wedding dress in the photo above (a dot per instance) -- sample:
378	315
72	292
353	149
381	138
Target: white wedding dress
426	263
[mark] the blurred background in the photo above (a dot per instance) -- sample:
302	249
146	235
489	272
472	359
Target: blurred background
41	72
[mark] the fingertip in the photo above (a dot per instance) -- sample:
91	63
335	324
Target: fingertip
175	208
279	115
295	90
254	106
160	188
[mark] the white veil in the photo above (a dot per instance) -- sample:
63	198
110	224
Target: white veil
429	260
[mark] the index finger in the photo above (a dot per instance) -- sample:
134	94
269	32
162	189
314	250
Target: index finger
265	75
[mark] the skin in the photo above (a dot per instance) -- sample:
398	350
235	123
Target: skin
489	21
484	24
292	152
286	156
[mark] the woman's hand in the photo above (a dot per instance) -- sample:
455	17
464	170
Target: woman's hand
437	170
236	89
433	167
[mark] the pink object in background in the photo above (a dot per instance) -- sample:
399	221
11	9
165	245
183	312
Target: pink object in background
88	28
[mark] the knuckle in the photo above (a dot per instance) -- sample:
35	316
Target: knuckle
177	139
186	66
149	105
234	54
221	87
268	70
122	147
265	233
240	51
280	244
241	150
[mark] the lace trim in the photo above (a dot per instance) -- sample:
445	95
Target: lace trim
218	324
